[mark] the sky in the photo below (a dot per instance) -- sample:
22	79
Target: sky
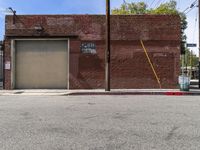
90	7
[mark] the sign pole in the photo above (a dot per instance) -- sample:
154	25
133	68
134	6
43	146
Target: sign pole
107	51
199	40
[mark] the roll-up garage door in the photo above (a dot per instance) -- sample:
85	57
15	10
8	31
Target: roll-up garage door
41	64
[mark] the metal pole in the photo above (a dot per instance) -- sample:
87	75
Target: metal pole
14	15
186	64
199	40
191	59
107	51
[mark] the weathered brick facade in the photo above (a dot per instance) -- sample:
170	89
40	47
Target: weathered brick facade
129	65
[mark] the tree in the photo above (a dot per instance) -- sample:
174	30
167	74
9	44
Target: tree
131	8
165	8
142	8
190	58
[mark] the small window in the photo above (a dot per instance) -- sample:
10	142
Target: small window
88	48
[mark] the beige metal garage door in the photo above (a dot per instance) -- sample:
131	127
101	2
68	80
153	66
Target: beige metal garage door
41	64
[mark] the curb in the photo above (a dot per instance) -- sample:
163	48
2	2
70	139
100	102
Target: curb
88	93
136	93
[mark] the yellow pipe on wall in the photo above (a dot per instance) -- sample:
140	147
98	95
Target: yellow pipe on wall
151	64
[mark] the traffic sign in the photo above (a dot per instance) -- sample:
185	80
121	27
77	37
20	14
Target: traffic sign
191	45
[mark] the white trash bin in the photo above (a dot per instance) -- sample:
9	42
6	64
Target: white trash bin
184	83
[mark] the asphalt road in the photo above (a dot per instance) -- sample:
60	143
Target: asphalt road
99	123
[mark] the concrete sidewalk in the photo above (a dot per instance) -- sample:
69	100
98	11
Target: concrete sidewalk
55	92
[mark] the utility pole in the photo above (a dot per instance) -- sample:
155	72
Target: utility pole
107	51
199	40
191	63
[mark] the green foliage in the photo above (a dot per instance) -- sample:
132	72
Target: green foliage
131	8
142	8
190	58
165	8
183	26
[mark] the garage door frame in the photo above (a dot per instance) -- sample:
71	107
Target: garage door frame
13	55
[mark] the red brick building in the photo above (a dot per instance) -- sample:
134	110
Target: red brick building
67	51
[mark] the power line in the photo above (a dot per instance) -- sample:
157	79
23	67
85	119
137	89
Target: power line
195	26
124	1
152	3
188	9
126	6
159	3
164	1
178	4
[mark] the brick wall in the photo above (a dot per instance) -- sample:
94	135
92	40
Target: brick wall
92	27
129	65
7	57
